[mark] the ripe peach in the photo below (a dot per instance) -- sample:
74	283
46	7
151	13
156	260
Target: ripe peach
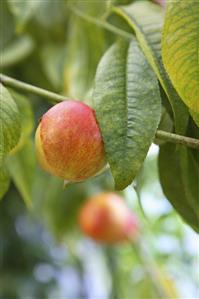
69	143
106	218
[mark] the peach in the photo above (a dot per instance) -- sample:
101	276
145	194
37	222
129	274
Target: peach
107	219
69	142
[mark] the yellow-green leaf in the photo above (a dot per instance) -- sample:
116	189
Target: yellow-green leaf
180	49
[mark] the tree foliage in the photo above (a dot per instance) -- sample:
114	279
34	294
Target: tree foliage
135	64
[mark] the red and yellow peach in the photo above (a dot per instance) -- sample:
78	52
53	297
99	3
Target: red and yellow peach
69	143
106	218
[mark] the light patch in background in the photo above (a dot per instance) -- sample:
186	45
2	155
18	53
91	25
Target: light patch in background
43	273
153	150
96	278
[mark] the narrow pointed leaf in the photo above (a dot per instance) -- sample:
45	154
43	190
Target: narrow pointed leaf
128	107
180	49
146	19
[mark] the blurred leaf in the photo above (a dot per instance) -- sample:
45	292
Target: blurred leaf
127	101
146	289
16	51
23	10
21	167
180	49
6	25
62	205
27	119
86	45
173	176
146	19
9	123
4	181
53	59
52	15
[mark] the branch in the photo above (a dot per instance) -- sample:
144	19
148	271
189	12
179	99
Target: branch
16	84
178	139
54	97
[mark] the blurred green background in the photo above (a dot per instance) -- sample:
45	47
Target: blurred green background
42	252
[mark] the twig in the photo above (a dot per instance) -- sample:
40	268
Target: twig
178	139
28	88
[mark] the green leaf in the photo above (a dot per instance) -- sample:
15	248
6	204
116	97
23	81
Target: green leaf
9	123
146	19
21	167
180	49
177	182
128	106
23	10
16	51
4	181
27	119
